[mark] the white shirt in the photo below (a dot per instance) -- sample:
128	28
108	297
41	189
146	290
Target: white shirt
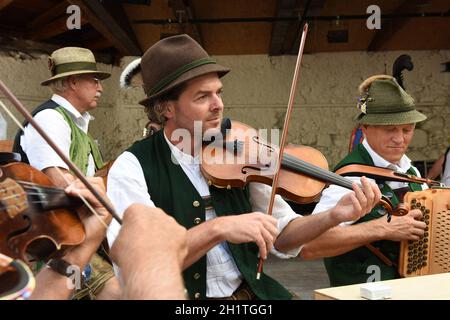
39	153
332	194
127	185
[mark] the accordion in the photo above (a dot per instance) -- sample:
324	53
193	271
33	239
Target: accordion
431	253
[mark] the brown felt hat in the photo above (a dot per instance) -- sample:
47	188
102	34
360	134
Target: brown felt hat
173	61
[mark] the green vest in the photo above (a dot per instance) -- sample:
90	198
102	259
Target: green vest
172	191
353	267
81	145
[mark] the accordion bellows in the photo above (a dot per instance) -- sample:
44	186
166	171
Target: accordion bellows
431	253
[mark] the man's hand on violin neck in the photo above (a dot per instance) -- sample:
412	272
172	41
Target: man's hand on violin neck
358	203
251	227
407	227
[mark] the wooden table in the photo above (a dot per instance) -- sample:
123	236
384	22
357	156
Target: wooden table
432	287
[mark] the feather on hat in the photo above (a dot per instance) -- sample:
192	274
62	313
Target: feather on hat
131	76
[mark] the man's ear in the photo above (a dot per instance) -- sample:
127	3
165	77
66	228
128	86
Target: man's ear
71	82
169	109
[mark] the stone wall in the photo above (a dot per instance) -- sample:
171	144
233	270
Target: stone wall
257	92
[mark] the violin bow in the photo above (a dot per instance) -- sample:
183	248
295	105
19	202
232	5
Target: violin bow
19	107
285	131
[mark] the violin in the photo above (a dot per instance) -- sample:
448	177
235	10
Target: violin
37	220
383	173
16	279
242	157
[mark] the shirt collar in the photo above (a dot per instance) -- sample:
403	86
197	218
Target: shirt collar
179	155
63	102
403	165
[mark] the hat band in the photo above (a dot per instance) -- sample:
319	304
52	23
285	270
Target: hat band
74	66
171	77
384	110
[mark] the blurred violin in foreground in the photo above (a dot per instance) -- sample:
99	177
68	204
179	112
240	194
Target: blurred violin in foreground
37	220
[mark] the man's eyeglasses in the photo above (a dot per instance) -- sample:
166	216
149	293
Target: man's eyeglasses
97	81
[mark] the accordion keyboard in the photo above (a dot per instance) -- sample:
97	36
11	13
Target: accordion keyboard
431	253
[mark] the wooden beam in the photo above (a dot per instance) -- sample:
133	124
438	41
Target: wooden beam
280	29
5	3
28	46
285	38
118	13
387	31
98	44
49	15
183	12
54	28
107	26
310	8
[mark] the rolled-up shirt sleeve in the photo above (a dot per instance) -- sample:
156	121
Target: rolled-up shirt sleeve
39	153
259	199
126	185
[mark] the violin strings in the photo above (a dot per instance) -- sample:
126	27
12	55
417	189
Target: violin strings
320	172
9	197
307	168
39	187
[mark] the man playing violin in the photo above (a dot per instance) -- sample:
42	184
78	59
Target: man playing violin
183	88
388	118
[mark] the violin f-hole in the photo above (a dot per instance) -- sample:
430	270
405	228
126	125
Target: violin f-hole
256	140
10	237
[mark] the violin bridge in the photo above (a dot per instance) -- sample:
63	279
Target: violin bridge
13	198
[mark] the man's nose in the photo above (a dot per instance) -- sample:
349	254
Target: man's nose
398	137
217	103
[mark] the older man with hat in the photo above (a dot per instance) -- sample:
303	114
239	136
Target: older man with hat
225	225
388	117
76	85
